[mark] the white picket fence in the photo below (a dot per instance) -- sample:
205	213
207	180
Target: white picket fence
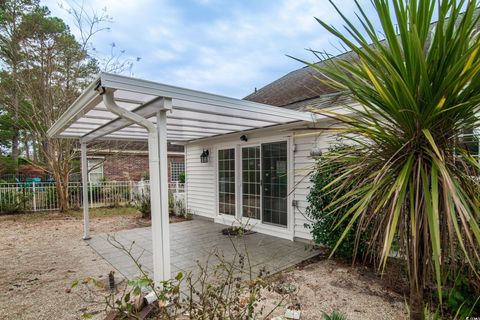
42	196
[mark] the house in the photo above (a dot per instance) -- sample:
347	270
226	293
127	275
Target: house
117	161
244	161
262	176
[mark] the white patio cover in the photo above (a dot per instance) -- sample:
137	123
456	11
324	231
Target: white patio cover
115	107
194	114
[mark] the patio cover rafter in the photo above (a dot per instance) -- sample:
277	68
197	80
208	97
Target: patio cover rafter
197	112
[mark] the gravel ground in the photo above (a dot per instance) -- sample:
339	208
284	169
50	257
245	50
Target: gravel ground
327	285
40	257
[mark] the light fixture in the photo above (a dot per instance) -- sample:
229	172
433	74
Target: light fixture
316	152
244	138
204	156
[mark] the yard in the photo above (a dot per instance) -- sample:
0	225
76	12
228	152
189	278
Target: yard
42	254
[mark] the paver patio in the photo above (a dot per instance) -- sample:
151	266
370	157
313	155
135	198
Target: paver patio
196	241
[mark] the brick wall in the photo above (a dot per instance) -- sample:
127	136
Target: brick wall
131	167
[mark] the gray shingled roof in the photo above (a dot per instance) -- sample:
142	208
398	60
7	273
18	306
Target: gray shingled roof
297	89
296	86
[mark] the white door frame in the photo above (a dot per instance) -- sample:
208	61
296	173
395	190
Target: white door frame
256	225
241	182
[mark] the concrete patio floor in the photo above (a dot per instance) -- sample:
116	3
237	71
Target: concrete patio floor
199	241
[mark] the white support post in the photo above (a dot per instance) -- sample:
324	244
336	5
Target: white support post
159	203
164	235
86	227
157	159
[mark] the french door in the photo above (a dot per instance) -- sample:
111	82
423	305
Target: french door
264	183
251	182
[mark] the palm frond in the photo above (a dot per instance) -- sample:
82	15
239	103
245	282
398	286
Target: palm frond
419	85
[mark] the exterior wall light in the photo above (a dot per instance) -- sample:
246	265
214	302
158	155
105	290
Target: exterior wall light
316	152
204	156
244	138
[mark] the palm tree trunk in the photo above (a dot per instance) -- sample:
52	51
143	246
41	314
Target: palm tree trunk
417	275
416	302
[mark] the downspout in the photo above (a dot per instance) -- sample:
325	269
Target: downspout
154	163
112	106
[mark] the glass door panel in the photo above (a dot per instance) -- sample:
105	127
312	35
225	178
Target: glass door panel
226	181
251	182
274	184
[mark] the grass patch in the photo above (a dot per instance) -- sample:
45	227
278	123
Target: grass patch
104	212
32	217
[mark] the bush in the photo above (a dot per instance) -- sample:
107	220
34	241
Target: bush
181	177
171	203
142	204
13	201
461	291
335	315
324	219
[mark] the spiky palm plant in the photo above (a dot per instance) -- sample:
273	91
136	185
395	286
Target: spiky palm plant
418	85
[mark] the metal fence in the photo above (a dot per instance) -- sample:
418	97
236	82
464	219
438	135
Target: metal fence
42	196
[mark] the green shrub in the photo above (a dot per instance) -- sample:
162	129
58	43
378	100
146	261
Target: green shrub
181	177
335	315
461	292
171	203
142	204
14	201
324	218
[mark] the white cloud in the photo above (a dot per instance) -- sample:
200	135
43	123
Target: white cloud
165	55
238	47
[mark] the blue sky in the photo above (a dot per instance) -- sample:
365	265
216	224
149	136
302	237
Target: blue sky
225	47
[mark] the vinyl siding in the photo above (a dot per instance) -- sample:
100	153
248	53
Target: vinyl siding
200	181
304	164
201	178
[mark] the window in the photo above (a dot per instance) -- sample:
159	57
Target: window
95	170
226	181
176	168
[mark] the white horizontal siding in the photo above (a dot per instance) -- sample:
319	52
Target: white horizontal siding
200	181
201	178
304	164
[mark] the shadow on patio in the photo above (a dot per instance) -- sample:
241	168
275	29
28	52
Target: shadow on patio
197	240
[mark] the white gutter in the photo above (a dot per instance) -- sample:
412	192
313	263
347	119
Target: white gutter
87	100
125	114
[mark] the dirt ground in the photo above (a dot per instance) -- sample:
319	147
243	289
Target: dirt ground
326	285
42	254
